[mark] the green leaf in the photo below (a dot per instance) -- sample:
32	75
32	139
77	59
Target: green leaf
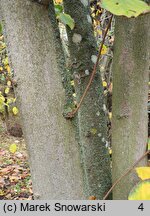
128	8
1	28
67	20
141	191
58	9
2	77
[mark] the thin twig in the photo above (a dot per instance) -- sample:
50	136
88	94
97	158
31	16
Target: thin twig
71	114
125	174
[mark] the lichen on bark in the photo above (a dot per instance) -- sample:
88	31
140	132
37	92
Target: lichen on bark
94	154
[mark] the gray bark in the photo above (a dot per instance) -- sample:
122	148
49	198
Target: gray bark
130	93
91	116
54	153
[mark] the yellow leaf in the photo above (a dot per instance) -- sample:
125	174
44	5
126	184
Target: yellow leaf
104	50
74	95
143	172
1	38
105	92
141	191
93	131
94	22
9	100
92	198
15	110
104	84
148	144
72	82
9	83
2	46
8	68
5	61
1	68
110	115
6	90
58	1
2	193
99	32
110	151
2	99
13	148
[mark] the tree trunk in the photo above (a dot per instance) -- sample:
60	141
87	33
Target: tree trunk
34	53
92	130
130	94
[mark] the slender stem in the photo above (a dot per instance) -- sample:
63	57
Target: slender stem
71	114
125	174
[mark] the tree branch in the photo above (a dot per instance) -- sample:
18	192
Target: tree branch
125	174
71	114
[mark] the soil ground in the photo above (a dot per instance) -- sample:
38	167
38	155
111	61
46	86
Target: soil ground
15	179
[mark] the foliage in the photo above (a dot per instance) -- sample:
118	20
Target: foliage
66	19
15	181
63	17
148	143
58	9
126	8
141	191
15	110
2	103
143	172
6	84
13	148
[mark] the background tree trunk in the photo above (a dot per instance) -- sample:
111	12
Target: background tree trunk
130	94
91	116
34	53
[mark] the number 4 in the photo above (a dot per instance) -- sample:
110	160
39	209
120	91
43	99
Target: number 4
141	207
